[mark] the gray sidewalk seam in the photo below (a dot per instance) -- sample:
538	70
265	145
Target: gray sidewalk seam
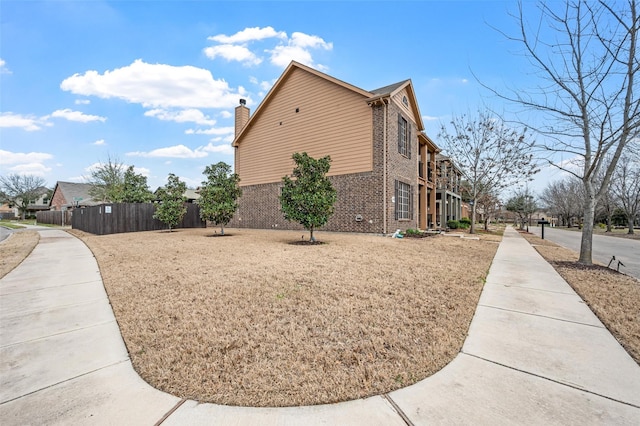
66	380
540	316
551	380
170	412
398	410
73	330
35	311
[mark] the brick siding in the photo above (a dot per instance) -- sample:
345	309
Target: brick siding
358	194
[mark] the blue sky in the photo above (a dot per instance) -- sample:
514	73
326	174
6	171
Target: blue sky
154	83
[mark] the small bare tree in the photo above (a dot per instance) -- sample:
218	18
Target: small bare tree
564	198
490	155
21	190
588	98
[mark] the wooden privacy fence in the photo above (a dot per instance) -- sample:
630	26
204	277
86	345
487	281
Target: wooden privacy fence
128	217
51	217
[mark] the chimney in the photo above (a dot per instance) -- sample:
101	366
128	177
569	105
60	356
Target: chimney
242	116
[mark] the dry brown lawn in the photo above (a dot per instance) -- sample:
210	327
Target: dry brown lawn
251	319
612	296
15	249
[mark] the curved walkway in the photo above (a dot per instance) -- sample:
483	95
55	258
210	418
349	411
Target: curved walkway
535	354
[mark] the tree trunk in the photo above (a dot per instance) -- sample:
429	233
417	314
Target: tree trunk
486	223
630	223
473	218
609	214
312	238
221	230
586	245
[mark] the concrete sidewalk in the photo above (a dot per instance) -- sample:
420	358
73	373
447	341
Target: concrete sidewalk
535	354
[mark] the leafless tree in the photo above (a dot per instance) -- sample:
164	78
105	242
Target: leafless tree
107	181
564	198
490	155
523	204
20	190
586	56
625	186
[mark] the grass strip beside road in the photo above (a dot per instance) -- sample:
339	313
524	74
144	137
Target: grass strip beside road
15	249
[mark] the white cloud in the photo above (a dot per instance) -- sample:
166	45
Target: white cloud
226	149
31	163
177	151
226	114
35	169
249	34
99	142
3	67
211	131
8	158
138	170
82	102
430	118
298	48
191	115
155	86
264	85
76	116
29	123
232	52
142	171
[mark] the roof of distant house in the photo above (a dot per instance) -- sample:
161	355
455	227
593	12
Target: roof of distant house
76	192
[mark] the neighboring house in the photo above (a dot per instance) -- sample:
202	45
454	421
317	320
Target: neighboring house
382	161
6	211
191	195
69	195
448	199
11	210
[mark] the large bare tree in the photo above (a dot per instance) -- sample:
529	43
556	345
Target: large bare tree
586	57
490	155
21	190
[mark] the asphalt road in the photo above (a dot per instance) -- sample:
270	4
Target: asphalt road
625	250
4	233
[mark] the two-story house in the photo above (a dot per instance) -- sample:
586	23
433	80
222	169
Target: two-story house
383	164
39	201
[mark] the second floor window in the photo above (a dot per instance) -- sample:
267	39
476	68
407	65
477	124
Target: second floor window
404	136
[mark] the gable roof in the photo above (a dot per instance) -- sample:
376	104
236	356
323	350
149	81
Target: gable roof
382	92
391	90
73	191
287	72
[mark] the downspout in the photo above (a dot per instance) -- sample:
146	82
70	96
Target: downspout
384	173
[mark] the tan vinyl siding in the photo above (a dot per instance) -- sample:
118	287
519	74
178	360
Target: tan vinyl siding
408	111
331	120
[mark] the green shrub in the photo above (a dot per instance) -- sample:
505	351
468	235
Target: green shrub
465	221
453	224
602	225
412	231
